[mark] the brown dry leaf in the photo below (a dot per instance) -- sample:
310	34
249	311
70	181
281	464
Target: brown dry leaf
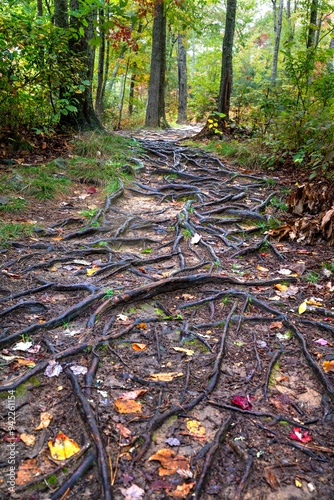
328	366
271	479
187	296
45	421
182	490
128	406
276	324
170	461
166	274
189	352
27	471
57	238
165	377
11	275
139	347
133	394
28	439
196	428
281	288
124	431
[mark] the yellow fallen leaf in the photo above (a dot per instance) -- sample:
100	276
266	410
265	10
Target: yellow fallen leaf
28	439
54	269
302	308
298	483
139	347
187	296
92	271
196	428
328	366
57	238
63	448
313	302
25	362
166	274
45	421
165	377
281	288
189	352
60	388
262	269
128	406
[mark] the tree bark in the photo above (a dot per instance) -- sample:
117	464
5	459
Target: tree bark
100	68
274	14
313	22
60	13
84	118
155	111
182	79
330	65
226	71
40	8
277	41
132	88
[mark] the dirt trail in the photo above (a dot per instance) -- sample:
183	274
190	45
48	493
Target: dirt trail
174	291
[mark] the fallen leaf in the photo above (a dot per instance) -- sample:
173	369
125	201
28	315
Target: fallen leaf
124	431
79	370
53	269
189	352
27	471
196	428
35	349
262	269
244	403
57	238
11	275
142	325
302	308
91	190
297	434
53	369
281	288
271	479
187	296
182	490
25	362
132	493
298	483
122	317
170	461
173	442
63	448
195	239
22	346
28	439
276	324
45	421
165	377
321	341
92	271
128	406
285	272
133	394
328	366
166	274
139	347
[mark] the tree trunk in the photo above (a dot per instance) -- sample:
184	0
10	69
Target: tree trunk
60	13
182	78
155	112
277	40
40	8
100	69
330	65
84	118
226	71
112	80
313	22
274	14
132	88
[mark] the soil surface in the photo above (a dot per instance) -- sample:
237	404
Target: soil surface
167	340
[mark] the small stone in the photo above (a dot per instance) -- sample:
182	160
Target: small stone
4	200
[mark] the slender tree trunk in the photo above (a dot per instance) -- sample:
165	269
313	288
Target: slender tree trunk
182	78
132	88
274	14
155	112
122	96
226	71
113	77
61	13
319	29
100	69
330	65
313	22
40	8
277	40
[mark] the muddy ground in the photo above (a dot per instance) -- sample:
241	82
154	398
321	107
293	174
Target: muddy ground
166	339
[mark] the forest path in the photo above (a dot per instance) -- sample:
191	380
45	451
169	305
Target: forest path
166	334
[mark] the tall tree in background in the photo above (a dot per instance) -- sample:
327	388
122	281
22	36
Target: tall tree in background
313	24
227	70
155	112
182	80
277	40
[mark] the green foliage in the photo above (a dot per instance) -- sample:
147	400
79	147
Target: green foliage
9	231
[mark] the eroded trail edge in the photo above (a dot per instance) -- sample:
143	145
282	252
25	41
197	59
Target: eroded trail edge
164	337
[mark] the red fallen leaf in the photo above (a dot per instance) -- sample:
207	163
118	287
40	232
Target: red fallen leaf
91	190
304	438
243	402
12	439
263	254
